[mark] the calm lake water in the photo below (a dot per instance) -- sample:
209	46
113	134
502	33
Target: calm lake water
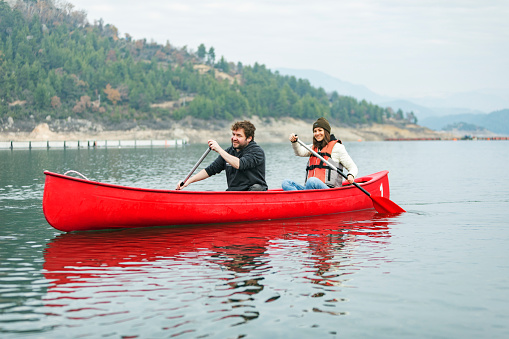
441	270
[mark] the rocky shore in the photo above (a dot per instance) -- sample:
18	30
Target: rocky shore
195	131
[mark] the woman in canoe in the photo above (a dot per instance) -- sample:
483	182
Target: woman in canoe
319	175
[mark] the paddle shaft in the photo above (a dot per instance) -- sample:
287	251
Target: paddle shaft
332	166
195	166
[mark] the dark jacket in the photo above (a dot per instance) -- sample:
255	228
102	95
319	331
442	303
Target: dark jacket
251	168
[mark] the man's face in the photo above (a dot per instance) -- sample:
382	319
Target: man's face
239	140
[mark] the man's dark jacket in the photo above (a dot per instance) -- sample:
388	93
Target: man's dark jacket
251	168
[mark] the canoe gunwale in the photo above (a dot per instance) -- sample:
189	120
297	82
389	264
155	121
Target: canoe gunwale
365	180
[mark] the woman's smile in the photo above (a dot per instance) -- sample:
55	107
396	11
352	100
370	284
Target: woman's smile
318	133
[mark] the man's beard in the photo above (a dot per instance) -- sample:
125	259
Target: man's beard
240	147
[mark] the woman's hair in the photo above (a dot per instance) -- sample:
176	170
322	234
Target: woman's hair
247	126
324	142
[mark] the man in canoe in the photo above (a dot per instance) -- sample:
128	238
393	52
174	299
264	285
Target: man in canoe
319	175
243	161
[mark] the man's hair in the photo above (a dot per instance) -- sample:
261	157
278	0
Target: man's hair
324	142
247	126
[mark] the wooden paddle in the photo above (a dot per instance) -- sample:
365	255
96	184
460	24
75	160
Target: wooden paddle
195	167
381	204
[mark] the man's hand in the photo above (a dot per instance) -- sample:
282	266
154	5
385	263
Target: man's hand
234	161
197	177
213	145
180	186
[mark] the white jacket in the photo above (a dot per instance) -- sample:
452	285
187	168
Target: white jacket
339	154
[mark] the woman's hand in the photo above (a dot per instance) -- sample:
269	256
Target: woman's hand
293	138
350	178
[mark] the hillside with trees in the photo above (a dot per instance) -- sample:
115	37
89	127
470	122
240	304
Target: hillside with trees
54	64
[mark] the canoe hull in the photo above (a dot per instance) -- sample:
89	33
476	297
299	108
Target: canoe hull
73	204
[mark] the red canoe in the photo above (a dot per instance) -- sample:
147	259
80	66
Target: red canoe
73	204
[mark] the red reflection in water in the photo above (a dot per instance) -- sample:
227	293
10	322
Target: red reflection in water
237	247
169	275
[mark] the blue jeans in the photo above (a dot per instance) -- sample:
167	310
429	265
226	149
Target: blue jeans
312	184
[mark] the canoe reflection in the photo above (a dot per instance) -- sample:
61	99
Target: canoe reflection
230	262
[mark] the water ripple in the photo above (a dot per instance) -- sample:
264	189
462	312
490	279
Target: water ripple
170	277
355	275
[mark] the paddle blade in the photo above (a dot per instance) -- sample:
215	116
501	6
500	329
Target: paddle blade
386	206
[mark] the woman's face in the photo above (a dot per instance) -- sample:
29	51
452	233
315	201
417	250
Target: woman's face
318	133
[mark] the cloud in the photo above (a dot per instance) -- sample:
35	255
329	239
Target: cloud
395	47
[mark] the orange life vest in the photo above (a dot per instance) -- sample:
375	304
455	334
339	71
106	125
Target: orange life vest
318	169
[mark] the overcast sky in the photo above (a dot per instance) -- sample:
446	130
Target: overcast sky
400	48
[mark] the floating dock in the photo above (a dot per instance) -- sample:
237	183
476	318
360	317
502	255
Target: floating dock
73	144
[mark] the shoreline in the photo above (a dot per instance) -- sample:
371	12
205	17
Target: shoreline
268	130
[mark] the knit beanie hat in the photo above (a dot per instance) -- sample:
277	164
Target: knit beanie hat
323	123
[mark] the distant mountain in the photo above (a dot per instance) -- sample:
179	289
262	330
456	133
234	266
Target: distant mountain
468	129
478	102
420	112
330	84
434	113
487	100
497	122
423	112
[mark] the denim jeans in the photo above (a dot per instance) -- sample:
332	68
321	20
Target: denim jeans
311	184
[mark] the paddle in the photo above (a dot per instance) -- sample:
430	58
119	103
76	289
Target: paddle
381	204
195	167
